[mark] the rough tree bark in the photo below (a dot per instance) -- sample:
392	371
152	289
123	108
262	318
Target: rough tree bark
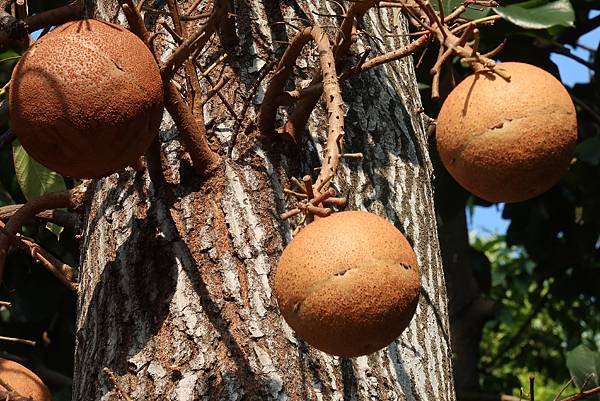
175	282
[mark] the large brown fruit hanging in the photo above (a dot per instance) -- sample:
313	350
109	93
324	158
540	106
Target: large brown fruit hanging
23	381
507	141
348	284
86	99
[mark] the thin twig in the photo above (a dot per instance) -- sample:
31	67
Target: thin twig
289	97
17	340
562	390
62	271
583	394
195	41
59	217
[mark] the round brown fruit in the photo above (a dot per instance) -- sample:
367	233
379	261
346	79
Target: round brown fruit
507	140
348	284
86	99
23	381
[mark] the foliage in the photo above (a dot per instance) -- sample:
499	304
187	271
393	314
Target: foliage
584	365
535	325
536	14
545	269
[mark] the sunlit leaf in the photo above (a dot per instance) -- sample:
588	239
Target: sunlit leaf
34	179
584	365
539	14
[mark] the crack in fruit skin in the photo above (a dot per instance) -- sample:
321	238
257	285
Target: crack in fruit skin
343	274
348	284
87	99
503	131
507	141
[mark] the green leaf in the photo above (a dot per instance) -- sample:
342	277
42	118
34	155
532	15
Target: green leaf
471	13
8	54
538	14
55	229
34	179
584	365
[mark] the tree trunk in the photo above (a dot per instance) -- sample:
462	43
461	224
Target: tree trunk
468	308
175	297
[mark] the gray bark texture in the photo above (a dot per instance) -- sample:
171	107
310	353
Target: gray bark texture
176	297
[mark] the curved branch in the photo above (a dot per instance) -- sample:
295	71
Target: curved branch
59	217
56	16
305	106
335	107
12	28
583	394
65	199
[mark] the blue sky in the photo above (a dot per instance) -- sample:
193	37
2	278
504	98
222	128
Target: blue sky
489	219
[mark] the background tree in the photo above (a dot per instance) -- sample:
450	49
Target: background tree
535	286
174	280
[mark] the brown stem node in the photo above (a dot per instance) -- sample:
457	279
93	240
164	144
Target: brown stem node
289	214
319	211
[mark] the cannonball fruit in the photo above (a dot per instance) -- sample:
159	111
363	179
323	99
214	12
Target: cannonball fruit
86	99
507	140
348	284
23	381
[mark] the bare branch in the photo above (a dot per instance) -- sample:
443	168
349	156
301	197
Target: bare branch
66	199
17	341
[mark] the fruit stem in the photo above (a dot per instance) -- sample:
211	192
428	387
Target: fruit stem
333	97
191	128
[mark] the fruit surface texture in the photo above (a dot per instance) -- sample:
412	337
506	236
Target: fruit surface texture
348	284
23	381
507	140
86	99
